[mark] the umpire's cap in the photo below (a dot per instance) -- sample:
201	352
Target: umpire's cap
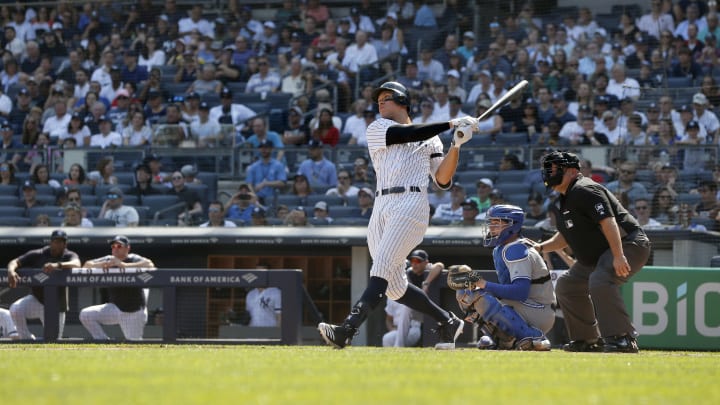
419	254
400	95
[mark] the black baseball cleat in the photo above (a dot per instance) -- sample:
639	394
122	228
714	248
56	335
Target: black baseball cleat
583	346
336	335
449	331
620	344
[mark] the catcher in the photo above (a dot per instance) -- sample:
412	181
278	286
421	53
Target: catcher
515	313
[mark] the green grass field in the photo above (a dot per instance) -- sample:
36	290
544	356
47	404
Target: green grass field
154	374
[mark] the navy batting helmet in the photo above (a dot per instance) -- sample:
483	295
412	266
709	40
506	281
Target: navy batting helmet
511	214
400	94
562	160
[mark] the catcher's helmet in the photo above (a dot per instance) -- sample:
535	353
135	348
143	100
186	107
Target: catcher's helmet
511	214
400	94
561	160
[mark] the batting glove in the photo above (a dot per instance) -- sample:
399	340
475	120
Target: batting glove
463	134
465	121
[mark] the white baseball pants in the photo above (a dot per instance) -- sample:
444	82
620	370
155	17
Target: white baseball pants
28	307
132	324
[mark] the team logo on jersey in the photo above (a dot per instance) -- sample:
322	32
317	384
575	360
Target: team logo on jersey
600	208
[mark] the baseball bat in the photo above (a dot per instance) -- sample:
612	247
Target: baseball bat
515	90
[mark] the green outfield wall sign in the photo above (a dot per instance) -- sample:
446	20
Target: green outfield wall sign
675	307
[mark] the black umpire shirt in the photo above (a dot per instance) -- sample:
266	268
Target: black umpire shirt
581	209
36	259
127	299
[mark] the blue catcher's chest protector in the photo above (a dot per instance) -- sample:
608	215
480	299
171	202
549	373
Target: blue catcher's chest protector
503	254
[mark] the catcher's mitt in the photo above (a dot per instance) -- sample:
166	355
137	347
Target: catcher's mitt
462	277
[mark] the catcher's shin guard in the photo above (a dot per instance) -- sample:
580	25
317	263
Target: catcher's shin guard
505	319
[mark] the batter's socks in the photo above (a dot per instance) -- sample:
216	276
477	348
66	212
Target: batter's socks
373	295
416	299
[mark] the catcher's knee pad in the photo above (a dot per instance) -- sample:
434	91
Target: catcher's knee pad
506	319
467	298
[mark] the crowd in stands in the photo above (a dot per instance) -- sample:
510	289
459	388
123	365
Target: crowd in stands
154	75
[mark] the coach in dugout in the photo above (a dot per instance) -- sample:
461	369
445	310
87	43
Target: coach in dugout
50	258
126	306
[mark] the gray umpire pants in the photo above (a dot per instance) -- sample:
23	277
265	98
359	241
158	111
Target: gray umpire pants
590	296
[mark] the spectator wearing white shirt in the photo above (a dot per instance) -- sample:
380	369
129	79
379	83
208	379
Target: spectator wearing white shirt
228	112
151	55
206	131
344	189
705	116
107	138
693	17
656	21
23	29
13	44
264	81
360	54
195	22
137	133
57	125
356	122
622	86
441	108
361	22
452	211
216	217
102	73
427	110
82	85
429	68
359	136
294	83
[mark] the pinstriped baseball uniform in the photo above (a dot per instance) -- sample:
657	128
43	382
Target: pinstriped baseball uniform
399	220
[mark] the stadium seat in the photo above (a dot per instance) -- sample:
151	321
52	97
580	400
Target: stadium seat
677	82
10	211
338	211
8	190
50	211
511	176
688	198
331	200
709	223
350	221
472	176
279	100
512	138
15	221
513	188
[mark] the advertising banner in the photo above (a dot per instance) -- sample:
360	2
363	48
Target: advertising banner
675	308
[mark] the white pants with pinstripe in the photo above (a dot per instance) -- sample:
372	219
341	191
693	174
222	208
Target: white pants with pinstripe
398	224
28	307
132	324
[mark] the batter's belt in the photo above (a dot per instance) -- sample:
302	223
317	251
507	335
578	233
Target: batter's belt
397	190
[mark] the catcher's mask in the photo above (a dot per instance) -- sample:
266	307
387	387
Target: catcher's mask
509	214
560	159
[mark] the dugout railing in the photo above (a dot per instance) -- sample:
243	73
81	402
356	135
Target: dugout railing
179	290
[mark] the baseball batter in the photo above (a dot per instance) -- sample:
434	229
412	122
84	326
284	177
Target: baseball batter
403	155
127	305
